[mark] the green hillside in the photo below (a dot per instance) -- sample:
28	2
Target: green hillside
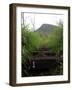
46	28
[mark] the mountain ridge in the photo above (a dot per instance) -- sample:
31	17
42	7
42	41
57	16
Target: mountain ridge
46	28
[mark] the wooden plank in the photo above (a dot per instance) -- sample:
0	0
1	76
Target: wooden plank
44	58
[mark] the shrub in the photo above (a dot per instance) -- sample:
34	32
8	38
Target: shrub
35	40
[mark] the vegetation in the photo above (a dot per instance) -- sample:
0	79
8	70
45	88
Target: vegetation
30	41
55	40
35	40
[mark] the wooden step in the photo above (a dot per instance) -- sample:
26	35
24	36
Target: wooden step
45	58
40	53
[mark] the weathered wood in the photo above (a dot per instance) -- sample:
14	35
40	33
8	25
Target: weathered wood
44	58
47	53
43	64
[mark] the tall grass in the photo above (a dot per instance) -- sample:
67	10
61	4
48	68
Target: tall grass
35	40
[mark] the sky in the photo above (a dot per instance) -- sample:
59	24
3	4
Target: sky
36	19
